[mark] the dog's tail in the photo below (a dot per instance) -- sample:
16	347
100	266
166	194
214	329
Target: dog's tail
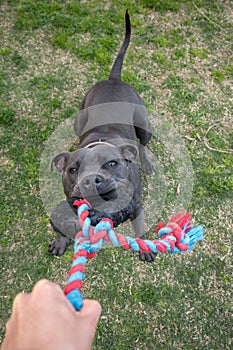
117	65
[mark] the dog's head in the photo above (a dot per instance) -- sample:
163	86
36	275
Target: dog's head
98	173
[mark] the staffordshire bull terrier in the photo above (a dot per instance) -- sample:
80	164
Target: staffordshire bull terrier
113	129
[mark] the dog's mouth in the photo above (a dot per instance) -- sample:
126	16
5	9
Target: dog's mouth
109	195
110	198
108	192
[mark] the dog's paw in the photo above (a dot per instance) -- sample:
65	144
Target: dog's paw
58	245
147	257
148	168
147	165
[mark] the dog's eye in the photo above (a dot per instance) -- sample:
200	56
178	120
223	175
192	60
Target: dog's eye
73	170
112	164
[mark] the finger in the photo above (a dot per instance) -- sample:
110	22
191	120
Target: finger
91	308
87	320
19	300
45	290
9	324
46	285
50	294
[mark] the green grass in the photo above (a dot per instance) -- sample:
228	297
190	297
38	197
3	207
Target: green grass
180	61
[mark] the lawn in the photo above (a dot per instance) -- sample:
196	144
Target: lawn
180	60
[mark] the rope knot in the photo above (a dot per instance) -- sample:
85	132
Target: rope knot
177	236
100	231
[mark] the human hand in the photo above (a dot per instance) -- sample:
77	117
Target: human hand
45	319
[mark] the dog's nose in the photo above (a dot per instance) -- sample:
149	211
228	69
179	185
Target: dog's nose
98	179
92	180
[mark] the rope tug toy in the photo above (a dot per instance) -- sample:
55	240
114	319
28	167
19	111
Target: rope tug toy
178	236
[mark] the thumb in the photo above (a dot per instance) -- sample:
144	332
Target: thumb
91	309
86	321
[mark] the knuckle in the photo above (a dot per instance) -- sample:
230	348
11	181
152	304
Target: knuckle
46	286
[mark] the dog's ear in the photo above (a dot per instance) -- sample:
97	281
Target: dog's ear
59	160
129	152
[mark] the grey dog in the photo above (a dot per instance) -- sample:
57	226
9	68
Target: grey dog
113	129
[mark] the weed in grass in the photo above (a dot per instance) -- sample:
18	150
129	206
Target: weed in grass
7	114
36	14
2	82
195	80
85	48
18	60
136	80
182	96
162	6
198	118
160	58
172	38
218	75
220	137
9	55
179	54
53	104
43	82
5	51
228	69
61	39
160	41
201	53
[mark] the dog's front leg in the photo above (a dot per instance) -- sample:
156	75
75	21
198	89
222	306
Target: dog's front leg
64	221
139	229
147	165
